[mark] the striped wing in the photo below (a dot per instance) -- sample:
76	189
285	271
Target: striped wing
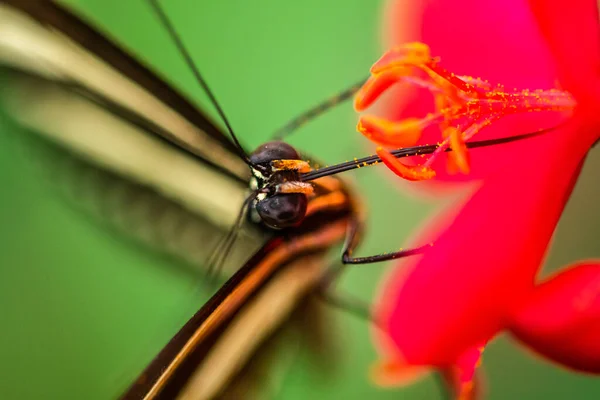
111	117
154	168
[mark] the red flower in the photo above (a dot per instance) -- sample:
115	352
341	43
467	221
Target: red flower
479	278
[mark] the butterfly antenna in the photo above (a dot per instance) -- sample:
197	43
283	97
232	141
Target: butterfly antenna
414	151
166	22
317	110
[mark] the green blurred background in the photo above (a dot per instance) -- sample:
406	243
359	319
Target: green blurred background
82	311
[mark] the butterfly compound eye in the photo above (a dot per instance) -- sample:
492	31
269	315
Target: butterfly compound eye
273	151
282	210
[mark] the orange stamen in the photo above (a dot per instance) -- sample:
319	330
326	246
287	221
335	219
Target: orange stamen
463	106
411	173
459	154
388	133
403	56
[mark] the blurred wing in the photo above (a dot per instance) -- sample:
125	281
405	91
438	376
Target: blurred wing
136	155
100	110
222	351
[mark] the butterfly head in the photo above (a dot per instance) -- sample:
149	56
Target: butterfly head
282	198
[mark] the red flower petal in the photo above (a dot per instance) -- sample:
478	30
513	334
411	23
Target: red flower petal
484	263
561	318
479	275
572	30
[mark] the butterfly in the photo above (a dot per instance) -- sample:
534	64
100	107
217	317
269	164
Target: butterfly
117	138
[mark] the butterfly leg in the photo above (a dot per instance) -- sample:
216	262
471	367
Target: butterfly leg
343	301
352	238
